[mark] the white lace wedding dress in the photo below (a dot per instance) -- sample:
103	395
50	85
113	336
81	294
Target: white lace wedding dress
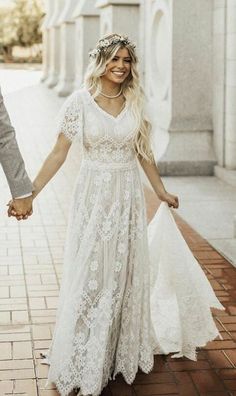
127	293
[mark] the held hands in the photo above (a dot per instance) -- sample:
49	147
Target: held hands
20	208
172	200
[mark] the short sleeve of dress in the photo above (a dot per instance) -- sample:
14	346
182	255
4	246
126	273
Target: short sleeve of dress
69	119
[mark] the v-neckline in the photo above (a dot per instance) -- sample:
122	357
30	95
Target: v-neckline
103	110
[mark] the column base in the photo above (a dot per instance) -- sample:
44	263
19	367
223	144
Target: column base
189	153
44	78
227	175
64	88
52	81
186	168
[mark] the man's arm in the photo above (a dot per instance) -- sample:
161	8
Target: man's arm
10	156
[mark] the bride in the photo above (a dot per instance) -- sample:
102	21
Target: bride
128	292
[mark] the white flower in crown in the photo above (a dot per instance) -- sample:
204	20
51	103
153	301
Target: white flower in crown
105	43
94	52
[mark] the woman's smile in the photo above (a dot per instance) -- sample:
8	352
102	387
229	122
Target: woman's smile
118	73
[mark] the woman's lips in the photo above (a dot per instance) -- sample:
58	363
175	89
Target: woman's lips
119	74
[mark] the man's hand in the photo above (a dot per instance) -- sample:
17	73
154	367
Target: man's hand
21	208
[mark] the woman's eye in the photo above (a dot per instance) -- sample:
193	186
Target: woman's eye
125	60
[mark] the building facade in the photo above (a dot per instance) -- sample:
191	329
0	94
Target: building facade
187	52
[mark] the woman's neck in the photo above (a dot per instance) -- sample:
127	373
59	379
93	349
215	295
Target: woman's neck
110	88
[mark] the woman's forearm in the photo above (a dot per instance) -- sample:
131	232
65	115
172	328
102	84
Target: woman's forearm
152	173
50	167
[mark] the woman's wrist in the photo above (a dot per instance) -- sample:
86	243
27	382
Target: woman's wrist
35	191
161	193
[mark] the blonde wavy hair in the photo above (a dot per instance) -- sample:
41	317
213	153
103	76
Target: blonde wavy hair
131	89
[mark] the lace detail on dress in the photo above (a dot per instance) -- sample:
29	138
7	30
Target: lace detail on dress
108	151
69	120
103	324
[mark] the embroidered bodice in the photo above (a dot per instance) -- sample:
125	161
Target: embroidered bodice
106	139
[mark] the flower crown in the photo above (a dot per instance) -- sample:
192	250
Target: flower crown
103	44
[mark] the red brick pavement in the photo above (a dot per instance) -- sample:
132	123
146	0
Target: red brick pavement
27	327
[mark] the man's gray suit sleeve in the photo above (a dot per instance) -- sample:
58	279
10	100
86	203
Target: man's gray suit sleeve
10	156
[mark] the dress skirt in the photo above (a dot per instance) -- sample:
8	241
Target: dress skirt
127	292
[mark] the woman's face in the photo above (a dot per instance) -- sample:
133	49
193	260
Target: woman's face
118	69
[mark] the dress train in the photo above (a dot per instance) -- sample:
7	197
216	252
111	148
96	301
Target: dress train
181	295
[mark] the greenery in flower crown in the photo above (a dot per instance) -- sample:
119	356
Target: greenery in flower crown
103	44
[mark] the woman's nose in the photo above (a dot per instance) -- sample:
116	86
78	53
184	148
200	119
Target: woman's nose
121	63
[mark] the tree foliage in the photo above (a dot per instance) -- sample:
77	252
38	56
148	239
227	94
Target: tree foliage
21	24
8	36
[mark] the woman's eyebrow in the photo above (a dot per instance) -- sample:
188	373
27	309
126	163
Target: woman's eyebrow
124	57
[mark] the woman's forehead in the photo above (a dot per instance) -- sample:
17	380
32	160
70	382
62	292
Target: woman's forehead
123	52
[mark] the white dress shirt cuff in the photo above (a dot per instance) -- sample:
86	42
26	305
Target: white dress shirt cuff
24	196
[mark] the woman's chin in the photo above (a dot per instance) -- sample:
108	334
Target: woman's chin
118	80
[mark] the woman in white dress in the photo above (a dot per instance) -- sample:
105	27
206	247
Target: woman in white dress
118	304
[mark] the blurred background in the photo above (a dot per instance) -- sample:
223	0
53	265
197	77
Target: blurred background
20	31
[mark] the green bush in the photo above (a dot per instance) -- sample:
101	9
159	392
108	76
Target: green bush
20	25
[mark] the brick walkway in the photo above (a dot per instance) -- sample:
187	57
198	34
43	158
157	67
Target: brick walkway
30	272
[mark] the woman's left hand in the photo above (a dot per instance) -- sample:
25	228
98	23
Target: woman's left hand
172	200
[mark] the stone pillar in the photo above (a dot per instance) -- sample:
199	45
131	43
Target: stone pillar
224	93
230	87
120	16
178	54
49	6
55	45
219	49
68	51
87	34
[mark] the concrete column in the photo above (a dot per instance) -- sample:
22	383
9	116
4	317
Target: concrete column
49	6
230	87
178	69
55	45
141	40
219	69
120	16
228	173
224	109
68	51
86	36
